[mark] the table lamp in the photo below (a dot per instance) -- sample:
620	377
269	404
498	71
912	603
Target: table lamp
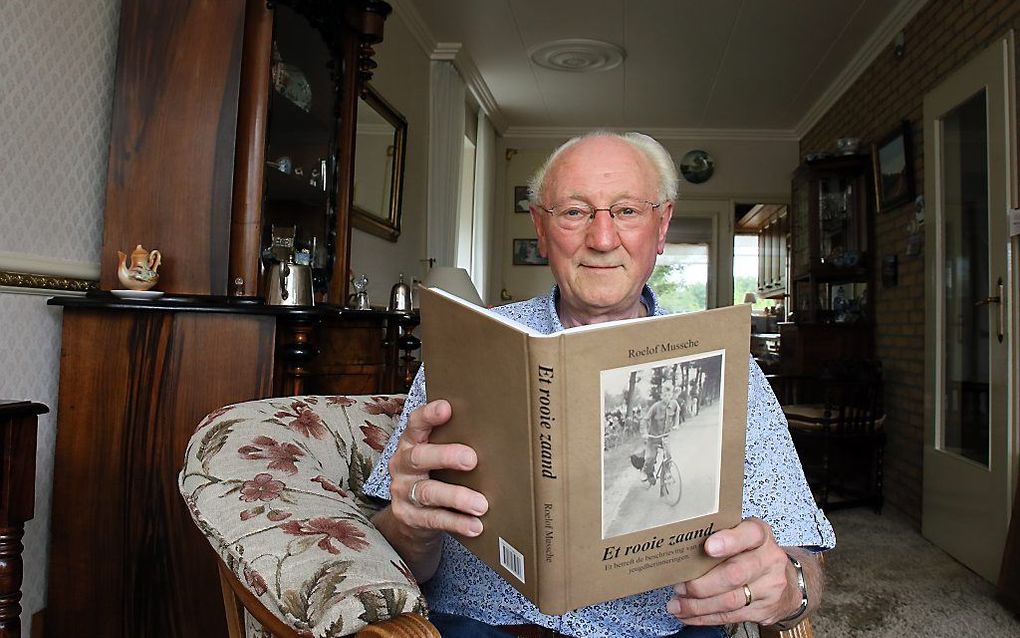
455	281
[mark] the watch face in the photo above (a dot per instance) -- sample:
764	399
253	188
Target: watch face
697	166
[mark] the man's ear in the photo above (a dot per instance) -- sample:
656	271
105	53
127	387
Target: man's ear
538	217
667	214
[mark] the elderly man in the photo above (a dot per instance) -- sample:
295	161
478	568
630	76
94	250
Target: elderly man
601	205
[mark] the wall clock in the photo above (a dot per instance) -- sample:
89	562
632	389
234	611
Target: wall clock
697	166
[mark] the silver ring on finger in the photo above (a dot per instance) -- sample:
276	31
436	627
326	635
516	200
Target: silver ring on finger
413	494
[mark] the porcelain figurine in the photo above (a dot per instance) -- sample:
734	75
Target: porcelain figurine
140	274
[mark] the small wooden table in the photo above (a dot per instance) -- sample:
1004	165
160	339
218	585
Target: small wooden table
18	423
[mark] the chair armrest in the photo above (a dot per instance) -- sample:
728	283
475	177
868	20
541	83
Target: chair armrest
275	486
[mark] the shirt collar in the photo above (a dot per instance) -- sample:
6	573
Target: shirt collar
648	299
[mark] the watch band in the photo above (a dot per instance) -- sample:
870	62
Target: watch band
802	585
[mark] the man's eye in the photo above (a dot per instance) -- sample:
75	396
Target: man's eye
574	213
627	211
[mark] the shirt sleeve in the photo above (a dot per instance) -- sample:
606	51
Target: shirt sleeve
378	483
774	486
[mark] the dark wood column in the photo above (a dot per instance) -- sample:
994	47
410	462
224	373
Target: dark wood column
18	424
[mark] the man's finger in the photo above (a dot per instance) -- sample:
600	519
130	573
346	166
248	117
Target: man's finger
422	420
425	457
749	534
444	520
432	493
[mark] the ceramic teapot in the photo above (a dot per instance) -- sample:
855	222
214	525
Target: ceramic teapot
140	274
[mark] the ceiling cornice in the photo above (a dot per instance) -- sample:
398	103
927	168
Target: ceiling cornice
758	135
887	30
405	9
453	52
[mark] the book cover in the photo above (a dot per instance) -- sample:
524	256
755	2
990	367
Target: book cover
559	423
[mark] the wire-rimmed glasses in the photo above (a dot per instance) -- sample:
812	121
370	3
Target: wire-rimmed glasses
627	215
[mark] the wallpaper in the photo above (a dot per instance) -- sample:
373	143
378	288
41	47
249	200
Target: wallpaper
56	85
57	76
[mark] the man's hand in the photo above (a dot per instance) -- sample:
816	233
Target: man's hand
752	558
415	530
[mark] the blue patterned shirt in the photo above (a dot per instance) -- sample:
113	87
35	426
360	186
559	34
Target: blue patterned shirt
774	490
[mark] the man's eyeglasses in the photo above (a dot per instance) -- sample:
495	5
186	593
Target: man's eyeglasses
626	215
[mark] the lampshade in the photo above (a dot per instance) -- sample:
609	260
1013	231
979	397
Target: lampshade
455	281
750	297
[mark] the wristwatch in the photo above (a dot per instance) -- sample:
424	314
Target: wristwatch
802	585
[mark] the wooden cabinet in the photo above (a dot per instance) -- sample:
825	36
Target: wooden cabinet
829	236
217	106
772	254
135	380
18	428
206	93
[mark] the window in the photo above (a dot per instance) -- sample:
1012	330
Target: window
745	270
680	277
466	214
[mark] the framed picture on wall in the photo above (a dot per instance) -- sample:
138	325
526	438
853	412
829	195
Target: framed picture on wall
520	199
894	178
526	253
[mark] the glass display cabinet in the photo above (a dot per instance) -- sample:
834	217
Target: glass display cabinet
830	273
829	237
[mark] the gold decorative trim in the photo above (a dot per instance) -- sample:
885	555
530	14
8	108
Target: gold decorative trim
47	282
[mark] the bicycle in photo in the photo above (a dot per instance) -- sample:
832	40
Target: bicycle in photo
666	473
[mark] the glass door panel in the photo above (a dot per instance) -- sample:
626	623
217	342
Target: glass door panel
965	316
299	214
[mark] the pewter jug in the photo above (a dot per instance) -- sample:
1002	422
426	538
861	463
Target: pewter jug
289	284
400	296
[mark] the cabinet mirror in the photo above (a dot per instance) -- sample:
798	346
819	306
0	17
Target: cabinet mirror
378	166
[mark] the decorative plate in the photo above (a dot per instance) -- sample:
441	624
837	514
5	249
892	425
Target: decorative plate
697	166
137	294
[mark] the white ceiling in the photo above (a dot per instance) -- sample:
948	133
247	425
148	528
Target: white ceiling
755	66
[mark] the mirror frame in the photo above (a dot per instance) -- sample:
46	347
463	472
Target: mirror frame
388	228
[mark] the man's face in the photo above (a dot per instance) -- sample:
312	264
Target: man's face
599	269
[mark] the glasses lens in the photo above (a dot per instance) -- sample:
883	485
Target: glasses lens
626	215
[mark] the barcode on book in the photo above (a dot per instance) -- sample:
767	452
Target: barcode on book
511	559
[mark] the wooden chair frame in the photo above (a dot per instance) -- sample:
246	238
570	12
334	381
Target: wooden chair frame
237	599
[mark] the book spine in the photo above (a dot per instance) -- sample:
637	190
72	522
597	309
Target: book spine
549	466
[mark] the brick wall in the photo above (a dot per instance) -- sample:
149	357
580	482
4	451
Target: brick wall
943	35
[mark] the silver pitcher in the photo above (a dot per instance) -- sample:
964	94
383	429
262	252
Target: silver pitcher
289	284
400	296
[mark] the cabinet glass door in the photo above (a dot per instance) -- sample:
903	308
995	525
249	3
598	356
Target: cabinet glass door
800	230
299	199
837	215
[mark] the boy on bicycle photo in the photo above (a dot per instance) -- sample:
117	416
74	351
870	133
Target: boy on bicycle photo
662	417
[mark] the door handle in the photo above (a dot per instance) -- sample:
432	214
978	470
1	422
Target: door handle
997	299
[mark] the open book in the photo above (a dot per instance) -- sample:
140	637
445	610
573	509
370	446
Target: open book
578	512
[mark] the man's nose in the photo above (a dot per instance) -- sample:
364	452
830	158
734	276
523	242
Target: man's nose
602	233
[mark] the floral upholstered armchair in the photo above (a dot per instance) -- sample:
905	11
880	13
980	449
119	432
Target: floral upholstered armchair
275	485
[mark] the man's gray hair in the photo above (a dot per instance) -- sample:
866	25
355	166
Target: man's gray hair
669	180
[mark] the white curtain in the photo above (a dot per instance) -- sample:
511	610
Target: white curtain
484	206
446	147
